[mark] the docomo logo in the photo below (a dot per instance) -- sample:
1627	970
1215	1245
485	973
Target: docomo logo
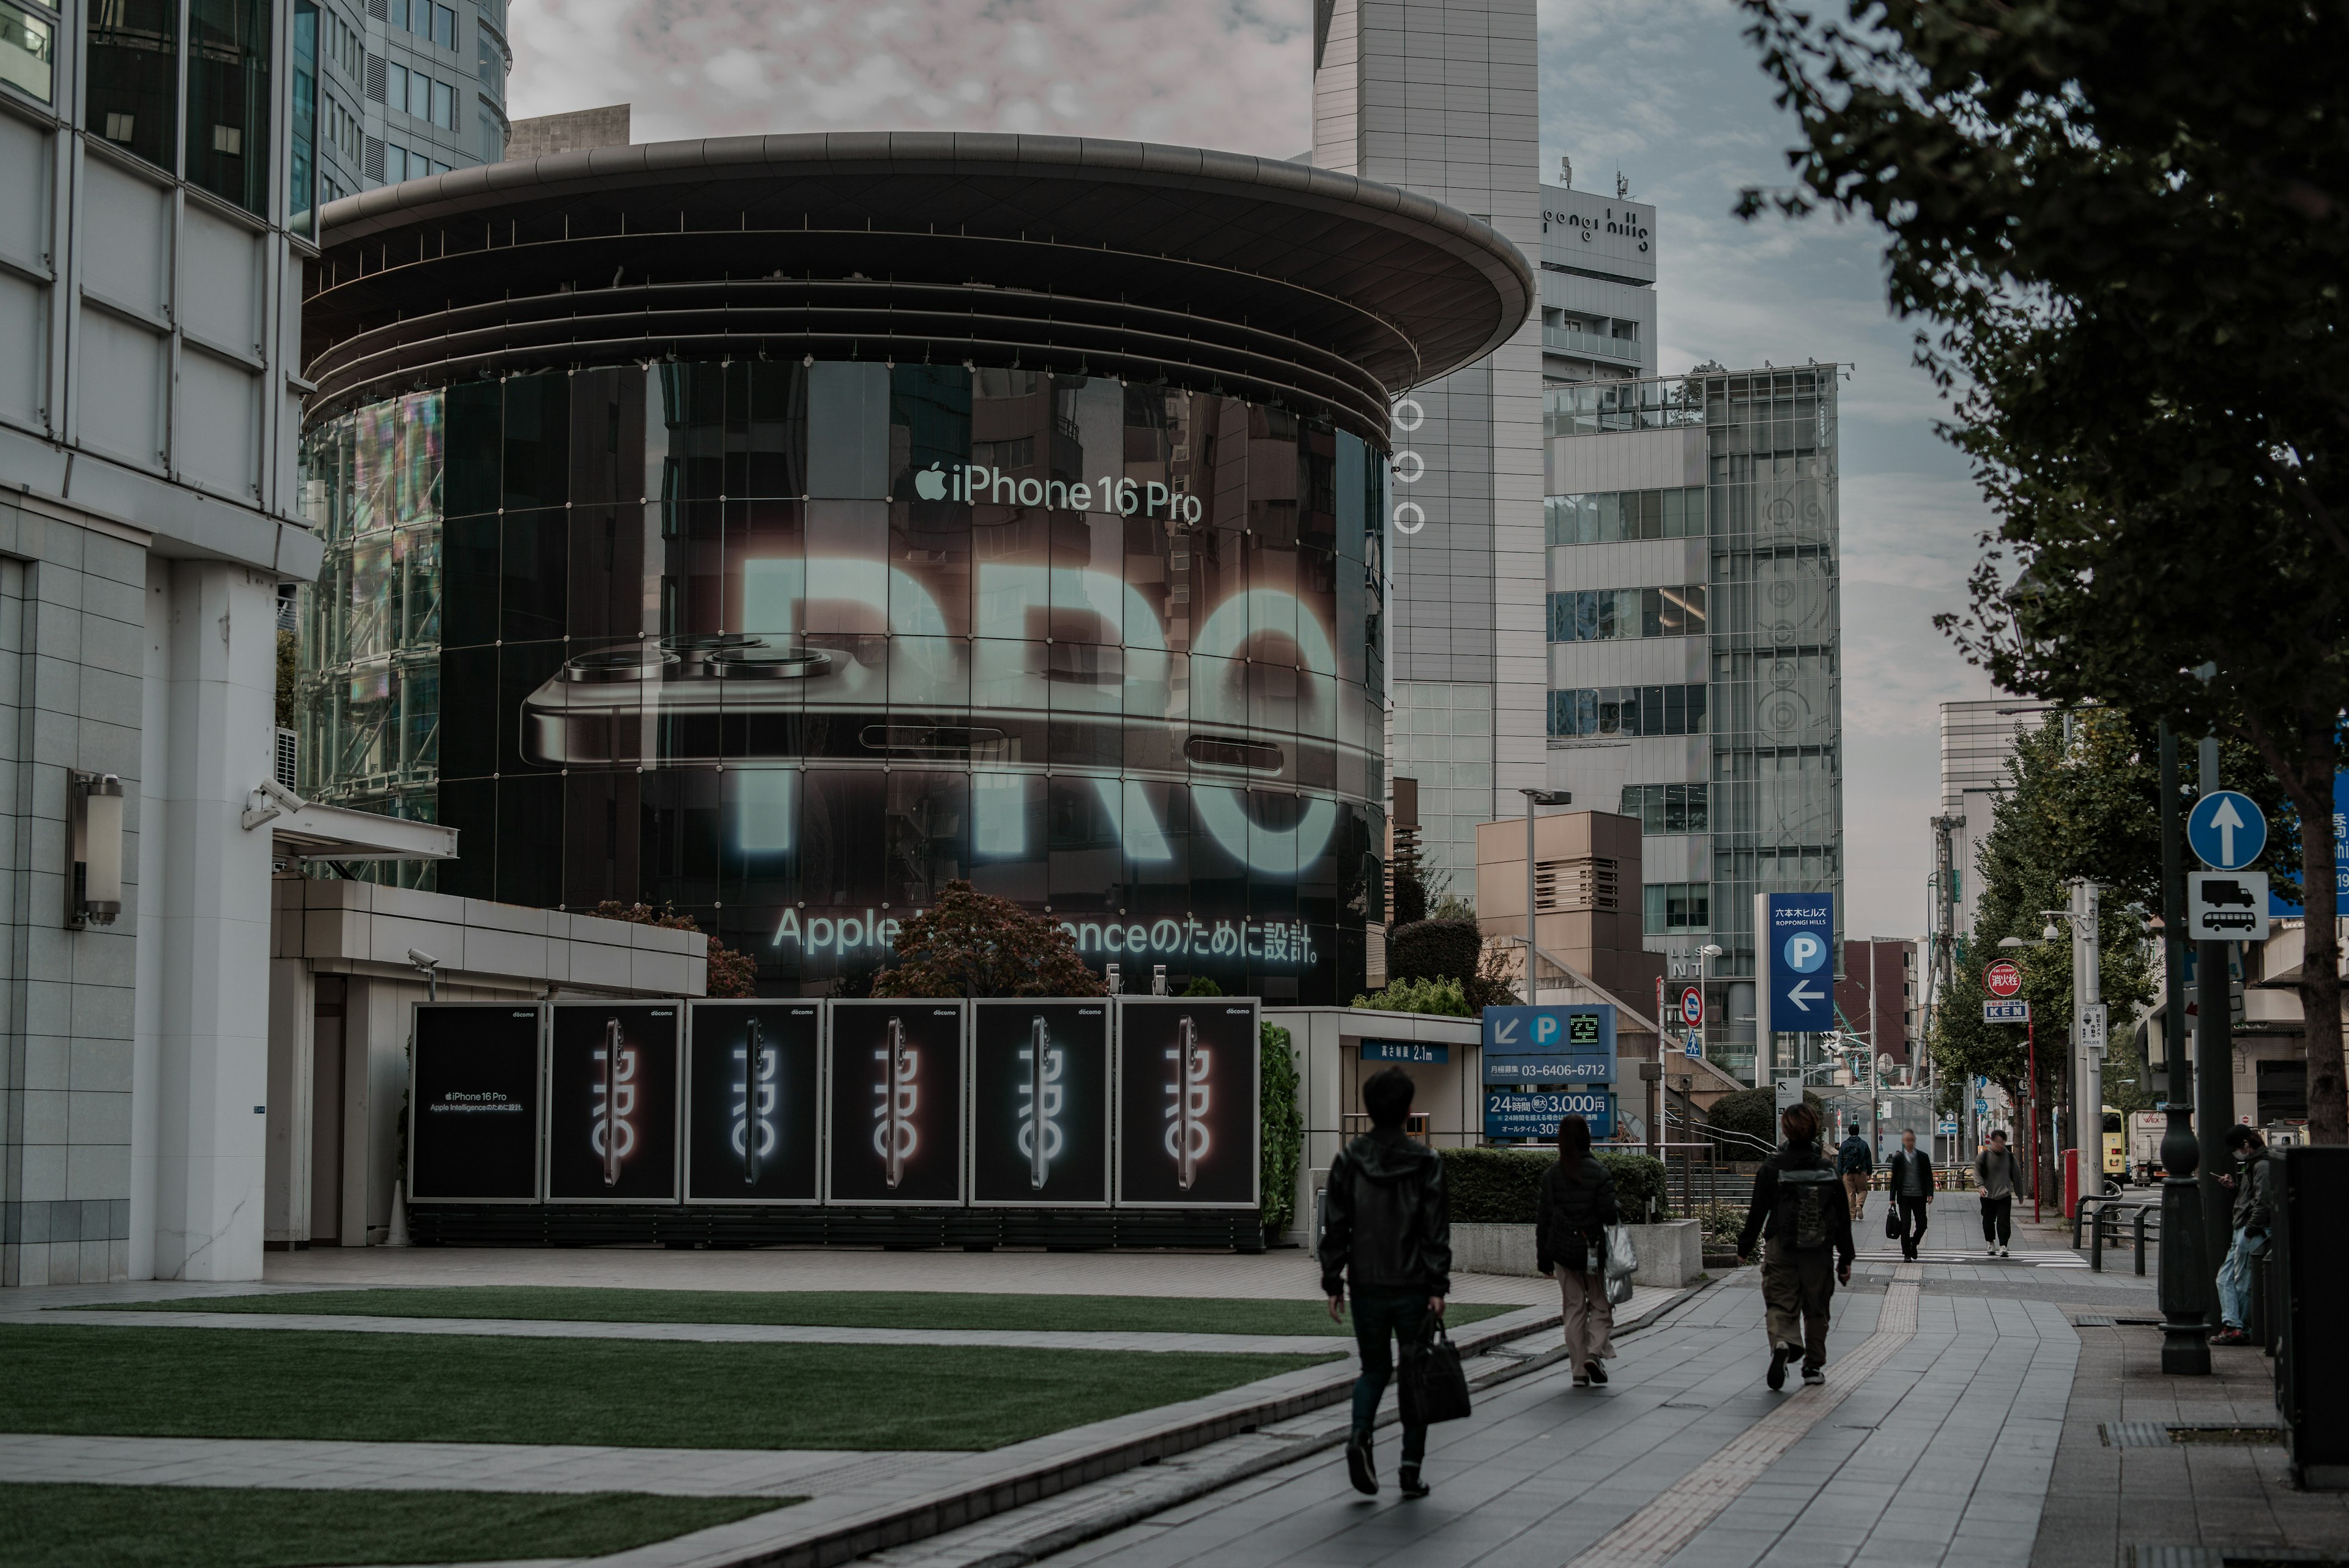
2002	980
976	483
895	1136
1186	1117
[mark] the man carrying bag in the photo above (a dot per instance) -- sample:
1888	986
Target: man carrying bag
1385	1221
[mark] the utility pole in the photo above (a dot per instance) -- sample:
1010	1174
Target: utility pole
1945	953
2087	1062
2185	1283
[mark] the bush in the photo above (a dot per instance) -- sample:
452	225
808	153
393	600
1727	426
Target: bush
1721	1224
1284	1130
1434	949
1442	997
1503	1186
1202	986
1745	1125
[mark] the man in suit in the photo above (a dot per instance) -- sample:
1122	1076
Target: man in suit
1910	1177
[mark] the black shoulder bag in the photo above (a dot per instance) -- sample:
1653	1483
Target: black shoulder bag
1434	1385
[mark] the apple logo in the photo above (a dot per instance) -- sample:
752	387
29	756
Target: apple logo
930	484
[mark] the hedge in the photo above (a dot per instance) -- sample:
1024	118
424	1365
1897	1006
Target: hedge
1283	1129
1503	1186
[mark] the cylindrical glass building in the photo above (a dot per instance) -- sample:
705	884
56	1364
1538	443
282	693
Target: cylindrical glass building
778	530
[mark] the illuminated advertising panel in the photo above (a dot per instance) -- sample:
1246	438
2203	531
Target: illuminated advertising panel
788	646
1039	1103
611	1102
473	1098
752	1120
1187	1106
896	1103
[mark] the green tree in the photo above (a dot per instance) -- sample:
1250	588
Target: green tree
971	944
1283	1124
2124	230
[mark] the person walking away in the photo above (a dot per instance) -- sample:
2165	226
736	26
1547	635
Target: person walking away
2253	1213
1909	1175
1999	1173
1804	1213
1578	1203
1856	1162
1386	1222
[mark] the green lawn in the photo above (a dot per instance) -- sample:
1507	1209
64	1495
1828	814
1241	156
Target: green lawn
817	1309
305	1384
61	1526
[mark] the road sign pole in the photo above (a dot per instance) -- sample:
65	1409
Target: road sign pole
2183	1287
1765	985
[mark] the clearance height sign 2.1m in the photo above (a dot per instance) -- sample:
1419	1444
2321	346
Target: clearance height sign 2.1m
1541	1062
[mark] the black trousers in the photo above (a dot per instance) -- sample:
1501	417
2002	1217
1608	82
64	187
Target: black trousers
1997	1220
1798	1287
1913	1212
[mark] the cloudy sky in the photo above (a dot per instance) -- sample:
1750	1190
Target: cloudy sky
1668	93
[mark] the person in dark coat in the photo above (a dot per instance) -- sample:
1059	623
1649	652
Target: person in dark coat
1578	1204
1909	1175
1385	1221
1801	1209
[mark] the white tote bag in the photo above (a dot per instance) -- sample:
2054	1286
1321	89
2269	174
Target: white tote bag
1622	1263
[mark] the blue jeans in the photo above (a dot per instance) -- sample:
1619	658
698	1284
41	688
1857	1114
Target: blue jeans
1379	1311
2235	1275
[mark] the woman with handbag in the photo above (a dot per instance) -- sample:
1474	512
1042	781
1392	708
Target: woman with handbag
1577	1205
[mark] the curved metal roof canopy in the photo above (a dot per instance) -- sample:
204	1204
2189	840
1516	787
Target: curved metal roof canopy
1273	281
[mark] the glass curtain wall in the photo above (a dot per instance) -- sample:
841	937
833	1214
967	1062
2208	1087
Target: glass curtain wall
789	647
228	100
132	96
1777	804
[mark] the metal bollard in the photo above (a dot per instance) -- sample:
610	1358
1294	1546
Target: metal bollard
2142	1211
2096	1241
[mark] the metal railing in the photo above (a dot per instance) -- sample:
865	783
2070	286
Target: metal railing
2107	1212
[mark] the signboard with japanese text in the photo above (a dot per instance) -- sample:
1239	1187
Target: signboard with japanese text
473	1090
1534	1114
1569	1044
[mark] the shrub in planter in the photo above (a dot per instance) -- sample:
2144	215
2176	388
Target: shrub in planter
1745	1125
1503	1186
1284	1130
1434	949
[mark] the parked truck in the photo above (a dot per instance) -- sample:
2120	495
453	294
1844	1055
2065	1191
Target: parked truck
2145	1130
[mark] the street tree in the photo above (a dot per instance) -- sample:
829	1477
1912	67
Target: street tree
2123	231
969	943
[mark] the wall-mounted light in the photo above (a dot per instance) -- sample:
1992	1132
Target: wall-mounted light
94	892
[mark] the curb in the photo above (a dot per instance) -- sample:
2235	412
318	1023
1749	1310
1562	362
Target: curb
917	1519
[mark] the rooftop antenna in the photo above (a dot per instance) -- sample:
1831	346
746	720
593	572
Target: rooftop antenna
1622	186
1566	171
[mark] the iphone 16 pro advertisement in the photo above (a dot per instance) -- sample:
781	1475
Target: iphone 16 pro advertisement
1039	1103
611	1102
751	1117
1186	1103
474	1091
897	1102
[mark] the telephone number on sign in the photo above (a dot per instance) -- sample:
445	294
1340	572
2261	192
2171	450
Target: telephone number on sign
1550	1069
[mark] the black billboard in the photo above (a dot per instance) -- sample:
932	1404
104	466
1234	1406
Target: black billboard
473	1093
1187	1103
897	1102
611	1102
1039	1103
751	1117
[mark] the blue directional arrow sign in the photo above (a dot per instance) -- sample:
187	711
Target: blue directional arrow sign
2226	830
1795	933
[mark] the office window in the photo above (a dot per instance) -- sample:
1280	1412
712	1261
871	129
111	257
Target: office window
27	51
1668	808
228	99
134	73
302	169
395	163
444	105
1604	615
1604	516
395	14
1675	907
444	27
395	85
1628	710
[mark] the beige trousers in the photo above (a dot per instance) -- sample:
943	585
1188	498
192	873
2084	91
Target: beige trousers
1856	1185
1590	1318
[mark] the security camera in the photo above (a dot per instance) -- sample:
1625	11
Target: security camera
421	959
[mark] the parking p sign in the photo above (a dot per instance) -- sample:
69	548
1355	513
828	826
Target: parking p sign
1795	935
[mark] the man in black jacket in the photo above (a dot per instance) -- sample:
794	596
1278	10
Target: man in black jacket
1384	1219
1911	1178
1801	1209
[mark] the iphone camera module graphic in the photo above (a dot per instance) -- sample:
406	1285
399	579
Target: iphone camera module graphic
612	1103
751	1128
1039	1103
897	1102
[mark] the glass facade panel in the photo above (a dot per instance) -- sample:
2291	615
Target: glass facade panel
132	96
1678	710
1604	615
789	647
302	168
27	51
228	100
1608	516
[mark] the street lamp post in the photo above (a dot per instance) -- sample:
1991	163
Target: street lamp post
1535	798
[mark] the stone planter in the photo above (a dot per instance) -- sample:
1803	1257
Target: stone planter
1671	1254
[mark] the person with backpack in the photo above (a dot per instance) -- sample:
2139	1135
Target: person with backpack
1578	1203
1998	1171
1910	1179
1386	1222
1801	1212
1855	1163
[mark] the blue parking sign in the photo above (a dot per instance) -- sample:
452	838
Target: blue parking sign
1794	933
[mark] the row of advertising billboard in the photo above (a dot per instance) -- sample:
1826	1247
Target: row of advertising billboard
1140	1102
